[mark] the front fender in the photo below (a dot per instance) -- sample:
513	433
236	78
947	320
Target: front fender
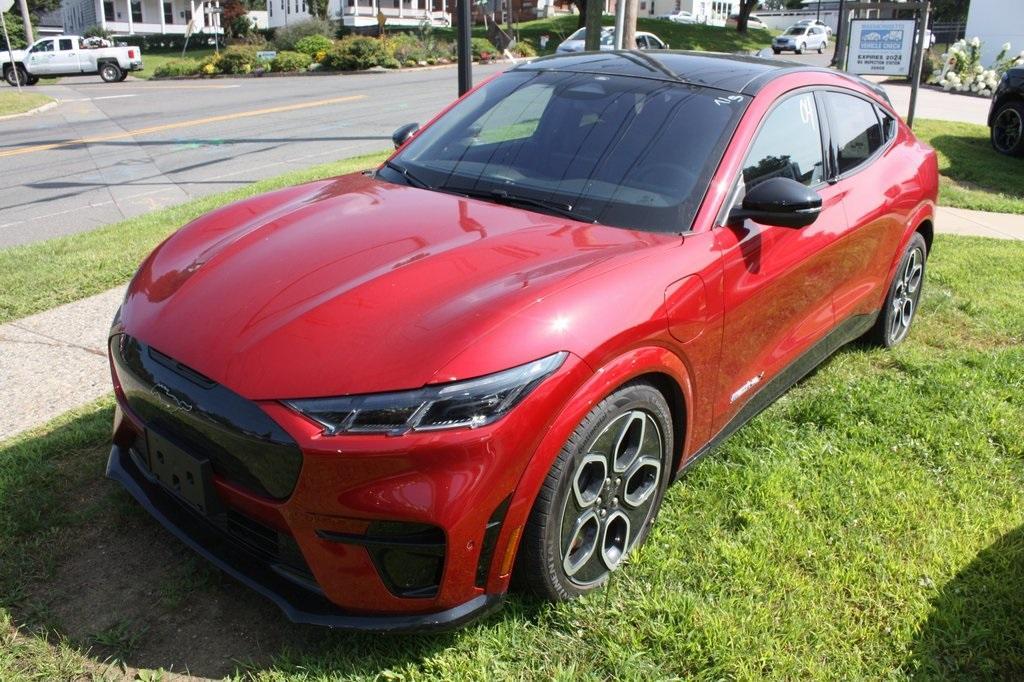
630	365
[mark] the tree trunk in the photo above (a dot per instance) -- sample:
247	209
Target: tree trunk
746	7
629	25
581	6
593	24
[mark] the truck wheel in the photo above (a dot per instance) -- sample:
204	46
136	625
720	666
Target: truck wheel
32	80
110	72
15	75
124	75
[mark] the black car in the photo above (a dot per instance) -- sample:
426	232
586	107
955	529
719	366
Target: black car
1006	117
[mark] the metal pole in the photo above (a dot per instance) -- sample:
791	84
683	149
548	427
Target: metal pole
26	20
620	22
10	54
465	50
919	61
837	58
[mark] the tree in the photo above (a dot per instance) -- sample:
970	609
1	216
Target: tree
950	10
233	18
746	7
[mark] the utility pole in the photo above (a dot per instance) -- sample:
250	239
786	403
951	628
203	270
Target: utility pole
592	21
463	38
629	24
26	21
620	22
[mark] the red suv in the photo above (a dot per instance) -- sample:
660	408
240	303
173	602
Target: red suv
376	398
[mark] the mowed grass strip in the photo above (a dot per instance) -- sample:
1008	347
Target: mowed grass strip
869	525
13	102
972	174
40	276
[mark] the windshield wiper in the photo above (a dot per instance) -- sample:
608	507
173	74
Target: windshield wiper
408	175
557	207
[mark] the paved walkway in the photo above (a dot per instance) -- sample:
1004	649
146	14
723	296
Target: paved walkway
55	360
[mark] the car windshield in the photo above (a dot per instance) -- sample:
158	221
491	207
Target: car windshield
580	34
796	31
628	152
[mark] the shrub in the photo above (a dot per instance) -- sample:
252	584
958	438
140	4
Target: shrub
523	49
965	72
483	49
96	32
238	59
355	53
177	67
405	48
287	37
311	45
210	64
290	61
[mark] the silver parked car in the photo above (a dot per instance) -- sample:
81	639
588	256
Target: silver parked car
800	37
577	41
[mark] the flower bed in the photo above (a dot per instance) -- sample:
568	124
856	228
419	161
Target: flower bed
962	70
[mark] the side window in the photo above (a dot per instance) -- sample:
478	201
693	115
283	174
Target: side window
641	43
788	145
65	44
46	46
888	126
855	129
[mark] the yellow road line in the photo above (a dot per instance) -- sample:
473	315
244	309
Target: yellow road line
179	124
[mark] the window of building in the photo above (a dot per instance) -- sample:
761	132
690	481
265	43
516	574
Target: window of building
108	10
168	13
137	11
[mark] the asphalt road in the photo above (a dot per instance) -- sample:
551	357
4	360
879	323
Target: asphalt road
112	151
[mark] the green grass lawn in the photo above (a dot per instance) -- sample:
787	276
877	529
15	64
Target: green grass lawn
869	525
40	276
11	102
152	60
678	36
973	175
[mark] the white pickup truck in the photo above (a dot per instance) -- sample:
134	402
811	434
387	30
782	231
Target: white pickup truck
69	56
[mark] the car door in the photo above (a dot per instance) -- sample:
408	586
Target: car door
870	173
778	281
65	58
40	58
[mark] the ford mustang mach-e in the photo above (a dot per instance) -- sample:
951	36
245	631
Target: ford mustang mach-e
377	398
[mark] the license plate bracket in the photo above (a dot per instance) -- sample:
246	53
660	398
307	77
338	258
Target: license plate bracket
188	477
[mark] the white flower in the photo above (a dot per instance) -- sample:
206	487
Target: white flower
986	92
978	68
1006	47
975	41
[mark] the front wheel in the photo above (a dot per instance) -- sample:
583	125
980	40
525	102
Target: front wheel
15	75
901	302
110	73
799	49
1008	129
821	48
776	51
600	497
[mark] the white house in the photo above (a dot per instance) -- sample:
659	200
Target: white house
364	12
996	22
137	17
704	11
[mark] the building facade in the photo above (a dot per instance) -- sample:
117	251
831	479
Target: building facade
996	22
138	17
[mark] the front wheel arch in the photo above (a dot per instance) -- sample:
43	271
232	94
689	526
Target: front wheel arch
655	364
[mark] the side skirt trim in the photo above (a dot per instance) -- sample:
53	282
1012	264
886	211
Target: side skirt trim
852	328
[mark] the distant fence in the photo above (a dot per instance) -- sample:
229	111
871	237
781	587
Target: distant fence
949	31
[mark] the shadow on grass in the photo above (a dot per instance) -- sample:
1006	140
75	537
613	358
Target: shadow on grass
973	162
973	631
82	563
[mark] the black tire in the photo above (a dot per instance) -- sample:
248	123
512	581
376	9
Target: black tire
124	77
32	80
110	72
776	51
799	49
15	74
618	432
821	48
901	301
1007	132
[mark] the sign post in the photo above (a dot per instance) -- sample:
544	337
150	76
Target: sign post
4	6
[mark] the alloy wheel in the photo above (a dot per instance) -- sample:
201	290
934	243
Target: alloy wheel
612	498
1007	129
905	295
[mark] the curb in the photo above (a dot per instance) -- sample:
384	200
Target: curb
38	110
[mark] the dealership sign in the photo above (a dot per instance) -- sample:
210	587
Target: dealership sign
881	47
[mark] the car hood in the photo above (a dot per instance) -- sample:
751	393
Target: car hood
354	285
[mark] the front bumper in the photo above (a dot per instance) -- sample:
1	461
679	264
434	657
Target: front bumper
373	532
300	603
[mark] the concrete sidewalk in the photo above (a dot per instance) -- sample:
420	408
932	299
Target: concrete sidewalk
55	361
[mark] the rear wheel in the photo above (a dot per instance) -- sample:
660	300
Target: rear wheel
124	75
821	47
32	80
1008	129
901	302
601	496
15	75
110	72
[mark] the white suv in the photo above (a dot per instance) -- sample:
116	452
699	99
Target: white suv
801	37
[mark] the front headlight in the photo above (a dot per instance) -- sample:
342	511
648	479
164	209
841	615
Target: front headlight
470	403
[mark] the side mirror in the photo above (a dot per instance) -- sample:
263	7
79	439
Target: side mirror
402	135
779	201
